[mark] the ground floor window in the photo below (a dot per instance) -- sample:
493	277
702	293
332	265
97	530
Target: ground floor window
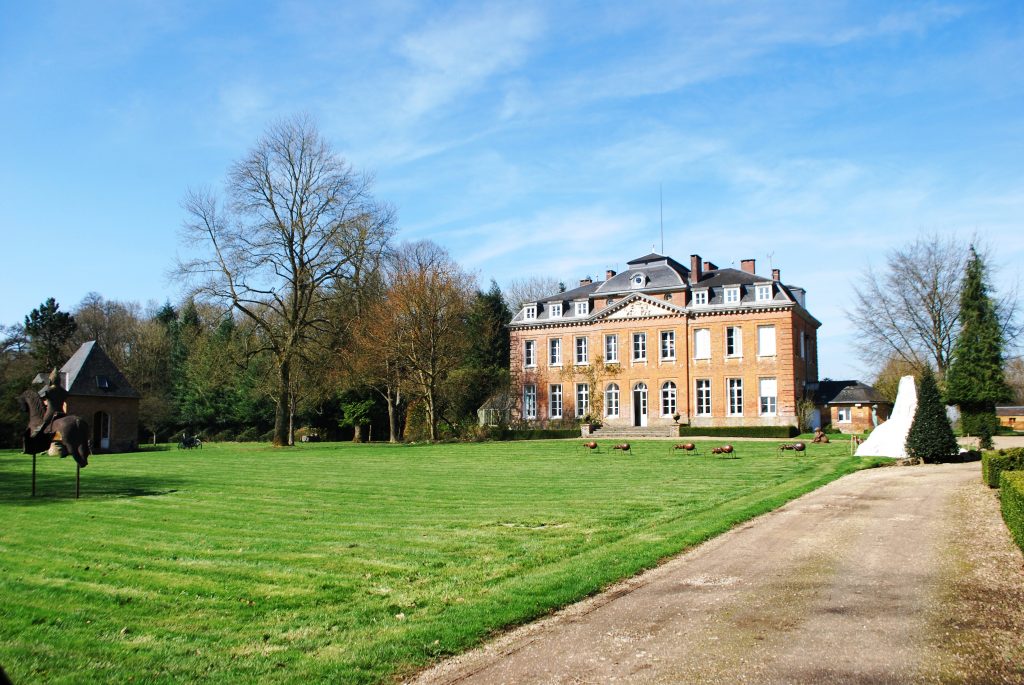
735	386
845	415
555	401
529	401
611	400
668	398
703	396
582	399
768	393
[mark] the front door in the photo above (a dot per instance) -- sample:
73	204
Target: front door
101	430
640	404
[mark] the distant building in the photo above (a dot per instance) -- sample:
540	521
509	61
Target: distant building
851	406
661	343
1011	417
100	394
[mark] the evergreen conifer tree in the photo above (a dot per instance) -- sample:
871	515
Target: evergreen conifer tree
975	379
930	437
49	330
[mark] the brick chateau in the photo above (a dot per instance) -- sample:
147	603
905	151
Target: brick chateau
717	347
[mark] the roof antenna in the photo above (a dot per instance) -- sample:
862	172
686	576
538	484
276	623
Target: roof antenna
661	212
770	264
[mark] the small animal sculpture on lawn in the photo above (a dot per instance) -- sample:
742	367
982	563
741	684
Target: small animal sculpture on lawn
589	445
794	446
624	447
686	446
724	449
820	437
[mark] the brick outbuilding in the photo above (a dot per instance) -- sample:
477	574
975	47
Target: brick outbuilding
851	406
100	394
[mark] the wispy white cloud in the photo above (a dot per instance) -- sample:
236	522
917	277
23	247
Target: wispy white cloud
462	52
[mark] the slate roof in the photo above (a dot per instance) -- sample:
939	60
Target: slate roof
1008	410
663	274
659	272
847	392
90	372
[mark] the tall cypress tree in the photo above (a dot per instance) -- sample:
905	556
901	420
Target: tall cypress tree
930	437
975	379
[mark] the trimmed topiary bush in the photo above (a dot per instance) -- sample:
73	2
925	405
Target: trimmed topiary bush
741	431
1011	500
931	437
994	463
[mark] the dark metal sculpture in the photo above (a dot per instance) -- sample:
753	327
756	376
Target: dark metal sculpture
795	447
48	427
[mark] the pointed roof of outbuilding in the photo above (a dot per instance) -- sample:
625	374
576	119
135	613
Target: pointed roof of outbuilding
91	372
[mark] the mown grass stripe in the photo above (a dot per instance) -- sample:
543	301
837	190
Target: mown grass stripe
341	563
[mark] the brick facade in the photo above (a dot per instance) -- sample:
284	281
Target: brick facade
121	414
860	417
670	312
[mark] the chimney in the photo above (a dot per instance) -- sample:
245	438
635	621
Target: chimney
609	274
586	281
708	266
775	275
695	272
747	265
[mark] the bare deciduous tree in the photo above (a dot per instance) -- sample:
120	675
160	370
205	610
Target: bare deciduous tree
530	289
910	309
420	324
298	225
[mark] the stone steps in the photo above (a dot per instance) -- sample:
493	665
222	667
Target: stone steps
635	433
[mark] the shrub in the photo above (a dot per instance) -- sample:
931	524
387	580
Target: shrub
250	434
994	463
741	431
535	434
1011	499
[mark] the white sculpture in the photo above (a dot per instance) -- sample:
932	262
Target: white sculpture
890	438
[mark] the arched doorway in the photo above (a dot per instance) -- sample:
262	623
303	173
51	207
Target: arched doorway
101	430
640	404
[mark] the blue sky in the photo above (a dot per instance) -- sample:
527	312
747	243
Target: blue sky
527	138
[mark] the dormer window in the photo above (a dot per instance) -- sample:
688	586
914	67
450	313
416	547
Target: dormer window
583	308
554	310
732	295
763	293
103	383
530	312
700	298
638	280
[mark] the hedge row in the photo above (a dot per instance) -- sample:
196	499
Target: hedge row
994	463
1011	497
535	434
741	431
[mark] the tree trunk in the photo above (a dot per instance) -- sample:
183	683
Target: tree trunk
392	419
283	405
431	417
291	418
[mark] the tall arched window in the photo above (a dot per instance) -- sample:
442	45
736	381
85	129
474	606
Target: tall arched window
668	398
611	400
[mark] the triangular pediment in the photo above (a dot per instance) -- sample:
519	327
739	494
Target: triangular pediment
639	307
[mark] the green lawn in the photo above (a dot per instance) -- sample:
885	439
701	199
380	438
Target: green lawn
337	562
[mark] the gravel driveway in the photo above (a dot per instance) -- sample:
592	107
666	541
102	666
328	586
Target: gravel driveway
892	575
